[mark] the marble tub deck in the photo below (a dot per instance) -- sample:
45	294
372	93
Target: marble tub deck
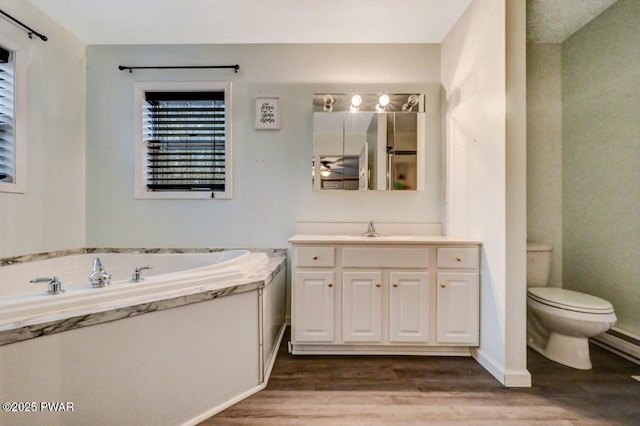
51	323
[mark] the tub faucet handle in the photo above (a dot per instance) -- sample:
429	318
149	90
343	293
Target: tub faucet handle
55	286
135	277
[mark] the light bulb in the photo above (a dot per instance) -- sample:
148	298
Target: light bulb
384	100
328	103
412	101
356	100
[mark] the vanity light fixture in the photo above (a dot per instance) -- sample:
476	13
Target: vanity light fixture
412	101
383	101
328	100
356	101
359	101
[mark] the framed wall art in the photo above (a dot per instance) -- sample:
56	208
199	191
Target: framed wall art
268	113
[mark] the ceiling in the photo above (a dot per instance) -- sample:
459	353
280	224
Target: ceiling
255	21
295	21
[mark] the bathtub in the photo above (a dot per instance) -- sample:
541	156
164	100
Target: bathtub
171	274
200	333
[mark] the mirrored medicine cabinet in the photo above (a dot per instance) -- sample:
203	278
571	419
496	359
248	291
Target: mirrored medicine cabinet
368	142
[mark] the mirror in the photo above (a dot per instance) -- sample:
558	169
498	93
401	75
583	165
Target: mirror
368	142
368	150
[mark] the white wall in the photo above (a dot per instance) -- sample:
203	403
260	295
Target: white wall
474	78
516	197
51	214
272	169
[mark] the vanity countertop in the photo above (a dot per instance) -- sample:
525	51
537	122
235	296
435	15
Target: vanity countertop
384	239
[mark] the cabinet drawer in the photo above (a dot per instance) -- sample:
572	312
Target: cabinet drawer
456	257
315	256
385	257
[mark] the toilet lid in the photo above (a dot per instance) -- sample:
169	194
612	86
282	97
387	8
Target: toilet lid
570	300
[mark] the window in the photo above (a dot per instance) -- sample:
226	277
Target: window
185	143
12	119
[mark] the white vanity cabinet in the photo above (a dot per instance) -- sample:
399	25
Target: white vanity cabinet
315	301
367	296
364	317
315	306
457	295
409	305
362	306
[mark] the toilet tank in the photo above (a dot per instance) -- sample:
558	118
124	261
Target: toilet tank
538	264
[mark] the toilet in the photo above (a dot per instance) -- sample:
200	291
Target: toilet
559	321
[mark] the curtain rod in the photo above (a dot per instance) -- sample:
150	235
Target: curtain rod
235	67
30	30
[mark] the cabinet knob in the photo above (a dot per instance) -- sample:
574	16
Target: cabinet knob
396	284
330	285
315	258
378	284
443	285
459	258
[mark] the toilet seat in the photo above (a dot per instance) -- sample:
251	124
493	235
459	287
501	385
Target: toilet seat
570	300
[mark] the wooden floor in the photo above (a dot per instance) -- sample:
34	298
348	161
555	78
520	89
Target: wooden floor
407	390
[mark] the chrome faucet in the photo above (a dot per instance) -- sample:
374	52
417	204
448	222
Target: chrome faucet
55	286
371	231
99	277
135	277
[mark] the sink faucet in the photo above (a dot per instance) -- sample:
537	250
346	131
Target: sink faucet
99	277
371	231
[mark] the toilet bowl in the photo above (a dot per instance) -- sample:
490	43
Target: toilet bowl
559	321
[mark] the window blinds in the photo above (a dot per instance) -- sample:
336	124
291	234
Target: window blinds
185	139
7	142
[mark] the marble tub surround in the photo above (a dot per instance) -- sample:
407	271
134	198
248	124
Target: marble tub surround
6	261
20	329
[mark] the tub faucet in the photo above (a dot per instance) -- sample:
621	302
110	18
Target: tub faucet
135	277
55	286
371	231
99	277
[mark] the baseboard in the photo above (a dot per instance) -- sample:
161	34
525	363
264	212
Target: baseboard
221	407
620	342
517	379
508	378
244	395
346	349
274	353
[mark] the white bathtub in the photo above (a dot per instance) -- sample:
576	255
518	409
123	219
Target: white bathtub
171	273
208	341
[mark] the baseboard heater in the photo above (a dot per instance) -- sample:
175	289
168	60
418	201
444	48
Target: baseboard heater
621	343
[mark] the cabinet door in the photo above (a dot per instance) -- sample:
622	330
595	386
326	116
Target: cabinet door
409	307
313	306
458	308
362	306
